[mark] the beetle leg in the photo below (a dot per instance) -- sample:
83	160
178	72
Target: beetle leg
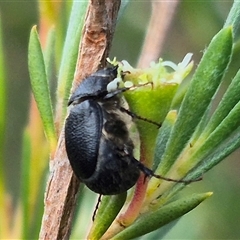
133	115
96	207
149	173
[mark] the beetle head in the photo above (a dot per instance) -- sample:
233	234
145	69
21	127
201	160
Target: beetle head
94	86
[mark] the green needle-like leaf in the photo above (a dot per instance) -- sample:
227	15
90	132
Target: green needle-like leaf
49	52
40	86
109	208
221	152
234	17
215	157
163	136
229	100
69	57
222	132
154	220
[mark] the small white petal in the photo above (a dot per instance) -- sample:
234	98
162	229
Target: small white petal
185	60
126	65
169	64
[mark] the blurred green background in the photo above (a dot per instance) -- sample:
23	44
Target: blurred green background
194	25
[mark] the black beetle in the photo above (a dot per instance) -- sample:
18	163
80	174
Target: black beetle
98	144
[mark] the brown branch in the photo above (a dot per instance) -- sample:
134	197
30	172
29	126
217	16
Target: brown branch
62	188
97	37
161	18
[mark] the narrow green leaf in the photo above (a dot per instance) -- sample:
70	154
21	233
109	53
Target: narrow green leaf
222	132
220	153
234	17
61	23
215	157
86	204
203	86
201	126
161	232
109	208
229	100
49	52
162	138
154	220
40	86
69	57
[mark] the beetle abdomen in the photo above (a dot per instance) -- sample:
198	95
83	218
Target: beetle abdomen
116	171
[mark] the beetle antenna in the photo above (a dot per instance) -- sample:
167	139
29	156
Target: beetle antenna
149	173
96	207
133	115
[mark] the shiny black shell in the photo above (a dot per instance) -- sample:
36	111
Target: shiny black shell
98	144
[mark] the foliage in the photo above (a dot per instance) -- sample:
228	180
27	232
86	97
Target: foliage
190	142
